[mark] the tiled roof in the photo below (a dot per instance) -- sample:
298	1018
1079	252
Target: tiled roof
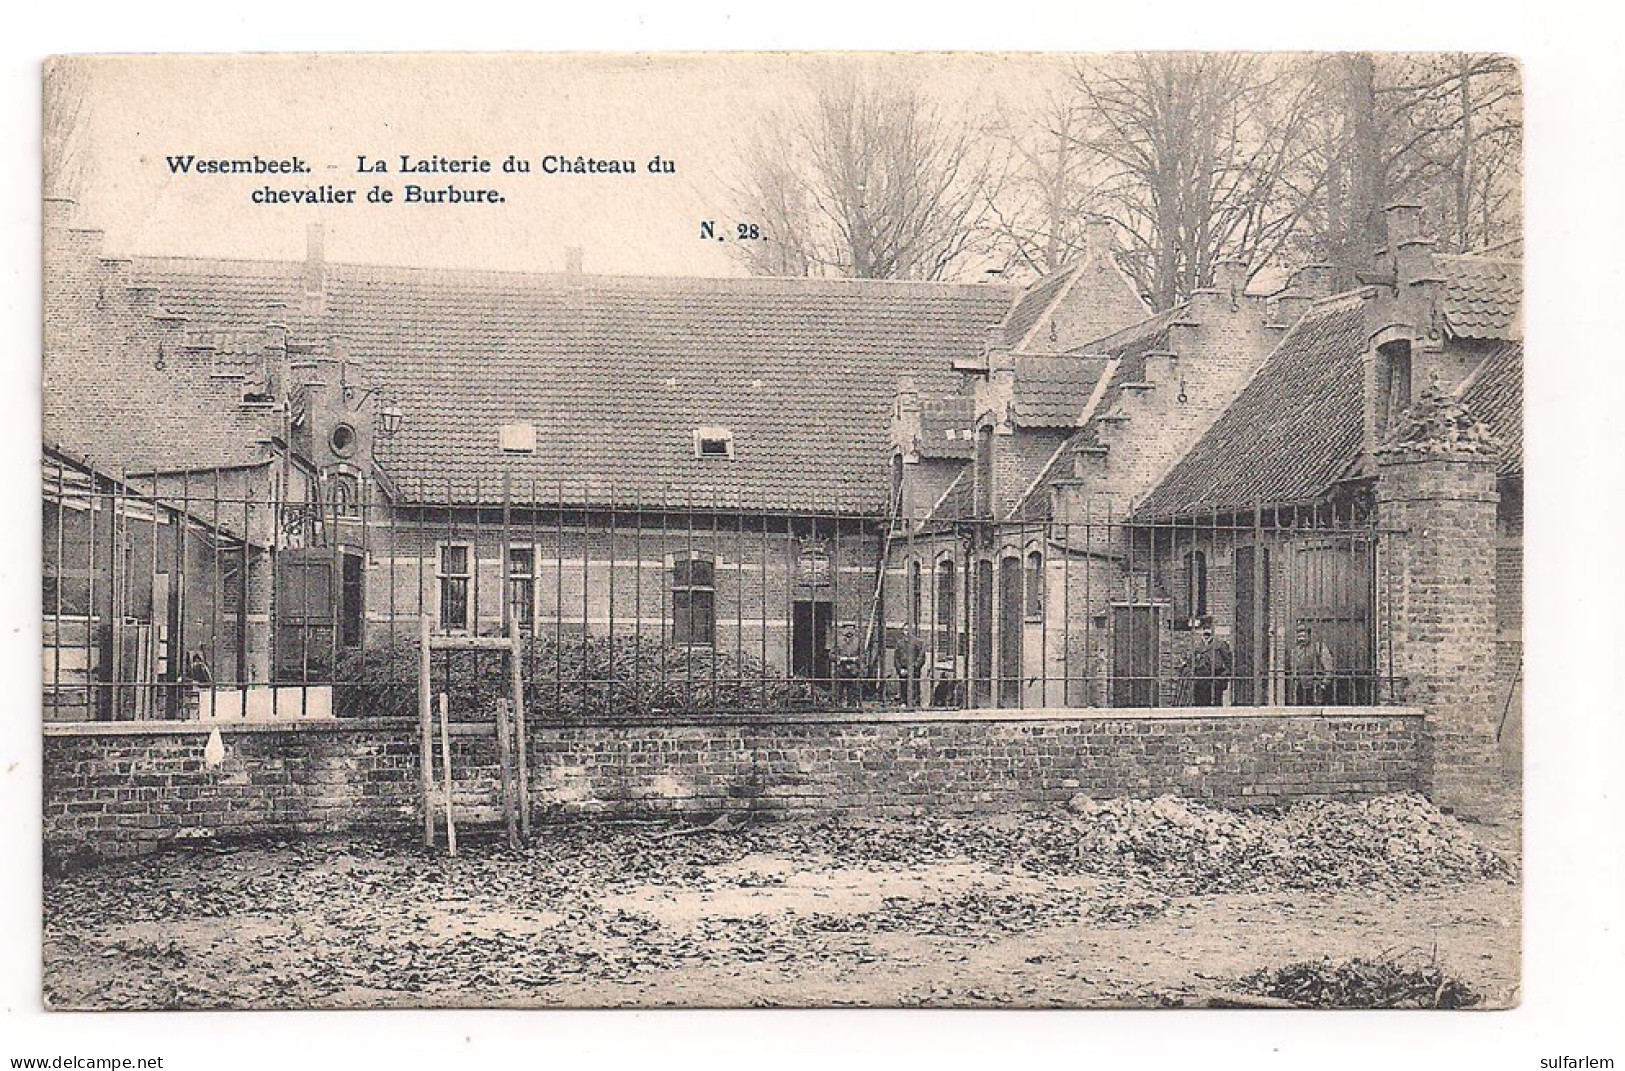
1032	303
946	427
1298	427
1482	296
1291	433
1129	347
1494	393
616	373
1051	392
128	397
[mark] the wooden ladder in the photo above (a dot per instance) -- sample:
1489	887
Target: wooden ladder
512	759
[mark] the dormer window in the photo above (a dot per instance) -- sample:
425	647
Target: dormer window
518	438
714	442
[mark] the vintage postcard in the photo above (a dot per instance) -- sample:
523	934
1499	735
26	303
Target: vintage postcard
802	530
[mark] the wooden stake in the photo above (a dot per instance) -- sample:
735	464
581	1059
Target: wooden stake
521	745
505	770
425	733
445	761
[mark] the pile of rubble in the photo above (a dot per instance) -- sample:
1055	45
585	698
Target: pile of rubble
1393	841
1363	983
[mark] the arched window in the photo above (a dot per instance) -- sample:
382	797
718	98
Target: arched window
1190	595
1035	584
947	611
915	595
343	495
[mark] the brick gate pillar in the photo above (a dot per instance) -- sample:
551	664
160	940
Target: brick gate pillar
1437	583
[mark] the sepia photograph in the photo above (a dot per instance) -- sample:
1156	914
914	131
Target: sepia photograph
782	530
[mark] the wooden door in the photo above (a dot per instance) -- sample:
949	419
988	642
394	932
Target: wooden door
306	613
1135	655
1333	588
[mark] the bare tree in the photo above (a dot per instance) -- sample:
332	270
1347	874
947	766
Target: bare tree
865	178
1444	130
62	127
1041	200
1199	158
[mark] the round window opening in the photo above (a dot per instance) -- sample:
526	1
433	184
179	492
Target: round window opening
343	440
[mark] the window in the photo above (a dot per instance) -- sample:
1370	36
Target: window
522	587
344	495
947	612
1035	585
915	595
518	438
1190	591
342	439
693	601
452	573
713	442
1393	385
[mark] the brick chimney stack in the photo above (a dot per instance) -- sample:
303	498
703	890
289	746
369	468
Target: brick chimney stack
573	263
1099	240
1230	277
1417	281
315	274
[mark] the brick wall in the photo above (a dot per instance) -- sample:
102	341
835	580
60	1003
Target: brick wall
1437	607
129	788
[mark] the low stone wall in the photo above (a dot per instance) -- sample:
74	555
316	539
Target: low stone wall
127	788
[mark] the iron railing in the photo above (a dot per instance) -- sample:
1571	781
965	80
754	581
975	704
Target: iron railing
261	593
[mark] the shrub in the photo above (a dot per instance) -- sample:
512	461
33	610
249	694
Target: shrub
578	678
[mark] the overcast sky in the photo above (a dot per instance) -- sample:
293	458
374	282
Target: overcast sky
688	109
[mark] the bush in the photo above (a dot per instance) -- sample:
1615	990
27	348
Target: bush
1364	983
595	677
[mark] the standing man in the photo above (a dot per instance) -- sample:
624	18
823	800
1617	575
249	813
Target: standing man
848	665
908	659
1209	666
1311	668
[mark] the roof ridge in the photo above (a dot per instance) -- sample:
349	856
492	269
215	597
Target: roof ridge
788	283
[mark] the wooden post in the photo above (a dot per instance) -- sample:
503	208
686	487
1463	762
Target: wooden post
445	761
505	772
521	744
426	733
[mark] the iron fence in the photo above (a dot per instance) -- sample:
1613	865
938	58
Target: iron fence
265	593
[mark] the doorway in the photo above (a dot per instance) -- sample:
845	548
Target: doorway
810	624
982	636
1011	618
1135	653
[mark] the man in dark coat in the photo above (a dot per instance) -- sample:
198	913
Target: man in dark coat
1209	666
908	659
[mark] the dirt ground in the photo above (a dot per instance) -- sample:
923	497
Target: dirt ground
942	915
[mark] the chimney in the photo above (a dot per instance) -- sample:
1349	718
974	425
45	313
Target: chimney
1290	307
1230	277
315	262
1404	222
906	421
1313	281
572	263
1099	238
314	302
1417	280
57	213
